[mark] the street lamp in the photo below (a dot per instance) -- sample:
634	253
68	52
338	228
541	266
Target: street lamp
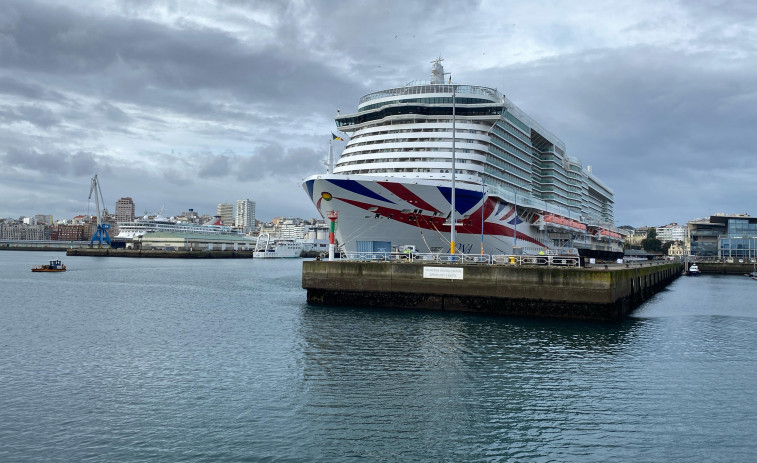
452	217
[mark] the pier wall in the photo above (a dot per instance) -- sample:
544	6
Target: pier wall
723	268
604	294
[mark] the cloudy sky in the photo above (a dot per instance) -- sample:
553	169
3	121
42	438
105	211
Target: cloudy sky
187	103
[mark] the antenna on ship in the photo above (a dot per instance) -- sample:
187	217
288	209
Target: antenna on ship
437	77
437	72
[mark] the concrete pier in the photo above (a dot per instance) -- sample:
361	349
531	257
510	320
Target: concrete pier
538	291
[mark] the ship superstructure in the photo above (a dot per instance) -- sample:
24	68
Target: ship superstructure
516	189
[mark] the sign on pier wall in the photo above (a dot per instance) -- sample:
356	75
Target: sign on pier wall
443	273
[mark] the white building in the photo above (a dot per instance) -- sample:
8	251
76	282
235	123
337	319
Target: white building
226	212
285	228
43	219
22	231
245	215
671	232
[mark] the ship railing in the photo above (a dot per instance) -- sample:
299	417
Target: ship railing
445	258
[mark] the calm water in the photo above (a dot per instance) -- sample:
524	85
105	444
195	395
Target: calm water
223	360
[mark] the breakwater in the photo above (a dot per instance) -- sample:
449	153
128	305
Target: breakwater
109	252
539	291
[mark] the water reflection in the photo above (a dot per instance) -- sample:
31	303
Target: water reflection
493	383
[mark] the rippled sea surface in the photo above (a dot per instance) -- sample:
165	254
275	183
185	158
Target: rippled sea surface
126	360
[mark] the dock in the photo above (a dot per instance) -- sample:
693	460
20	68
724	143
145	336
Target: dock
604	292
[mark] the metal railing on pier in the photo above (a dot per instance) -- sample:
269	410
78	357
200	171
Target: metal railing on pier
484	259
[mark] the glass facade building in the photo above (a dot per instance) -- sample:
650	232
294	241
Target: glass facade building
740	240
724	237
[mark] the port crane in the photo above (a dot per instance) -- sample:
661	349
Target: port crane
101	234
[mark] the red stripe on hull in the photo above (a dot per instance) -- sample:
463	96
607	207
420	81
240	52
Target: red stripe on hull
406	195
471	225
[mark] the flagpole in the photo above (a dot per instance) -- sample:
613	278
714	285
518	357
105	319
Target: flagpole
452	217
515	208
483	209
331	155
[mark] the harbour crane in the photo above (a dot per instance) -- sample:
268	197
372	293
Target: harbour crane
101	234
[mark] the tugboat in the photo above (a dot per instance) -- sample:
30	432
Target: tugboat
693	271
53	266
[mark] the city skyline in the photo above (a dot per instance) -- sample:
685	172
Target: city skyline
172	104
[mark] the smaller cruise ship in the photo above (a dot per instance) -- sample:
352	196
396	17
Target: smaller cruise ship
276	248
159	223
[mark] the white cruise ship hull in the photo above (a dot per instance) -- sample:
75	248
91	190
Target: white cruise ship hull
516	189
390	210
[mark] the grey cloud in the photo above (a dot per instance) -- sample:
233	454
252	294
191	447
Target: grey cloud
215	166
649	121
272	161
78	163
113	113
26	90
34	114
154	65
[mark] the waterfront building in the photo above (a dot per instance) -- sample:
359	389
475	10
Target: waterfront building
190	216
43	219
20	231
316	237
71	232
226	213
284	228
723	236
124	210
192	242
636	236
739	241
671	232
291	228
79	220
245	215
676	249
702	237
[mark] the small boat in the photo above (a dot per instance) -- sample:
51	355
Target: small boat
53	266
693	271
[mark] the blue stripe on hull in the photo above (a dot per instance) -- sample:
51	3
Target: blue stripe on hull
354	186
465	200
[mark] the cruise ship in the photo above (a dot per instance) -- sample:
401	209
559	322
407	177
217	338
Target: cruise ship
159	223
514	188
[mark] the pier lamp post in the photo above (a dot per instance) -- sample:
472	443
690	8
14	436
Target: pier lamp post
453	222
515	222
483	210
